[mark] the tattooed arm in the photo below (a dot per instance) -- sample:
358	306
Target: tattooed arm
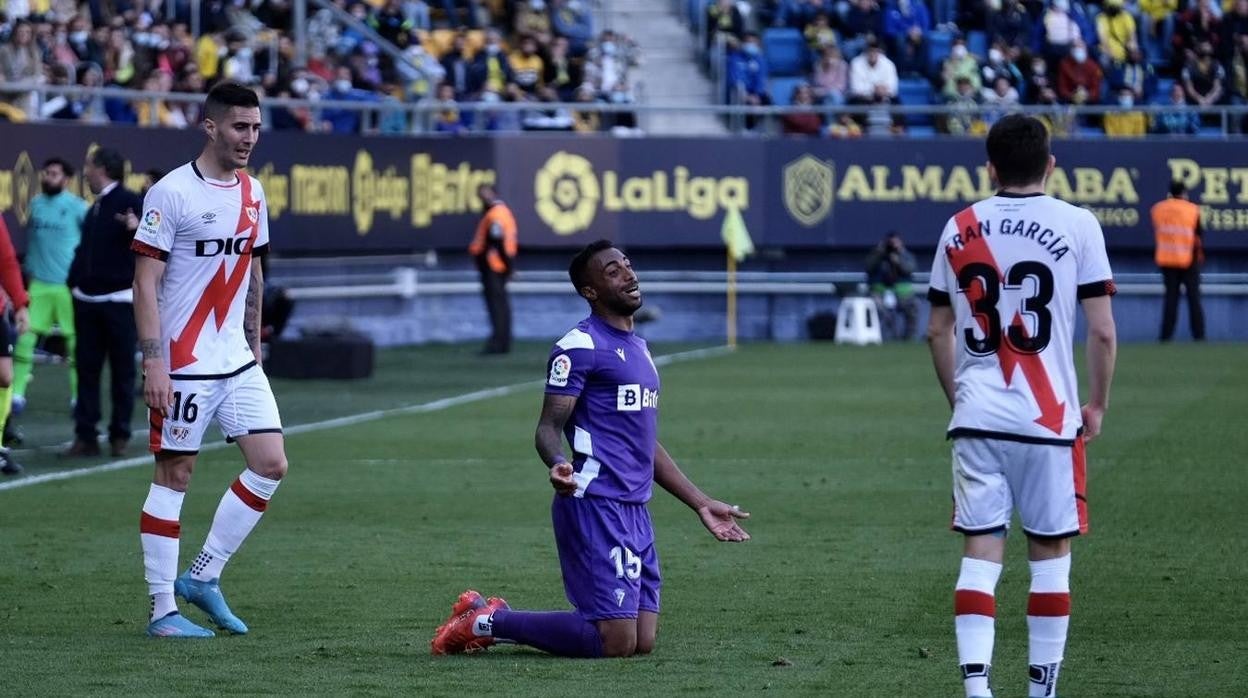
157	389
549	441
251	315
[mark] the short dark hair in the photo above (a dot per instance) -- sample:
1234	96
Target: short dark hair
229	94
578	270
1177	188
111	160
1018	147
66	168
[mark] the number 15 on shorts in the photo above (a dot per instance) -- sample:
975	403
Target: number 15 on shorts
627	564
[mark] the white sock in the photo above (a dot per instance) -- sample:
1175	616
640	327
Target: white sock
1048	618
158	533
237	514
975	611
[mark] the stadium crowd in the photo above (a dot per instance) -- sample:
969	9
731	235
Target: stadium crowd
519	51
994	55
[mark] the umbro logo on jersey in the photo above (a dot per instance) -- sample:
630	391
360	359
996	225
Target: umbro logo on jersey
209	216
620	353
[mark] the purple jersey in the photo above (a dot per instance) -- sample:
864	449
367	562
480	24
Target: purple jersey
615	423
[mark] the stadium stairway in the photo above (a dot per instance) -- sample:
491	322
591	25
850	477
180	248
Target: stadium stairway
669	72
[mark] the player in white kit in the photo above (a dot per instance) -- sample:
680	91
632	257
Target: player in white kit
1008	274
197	298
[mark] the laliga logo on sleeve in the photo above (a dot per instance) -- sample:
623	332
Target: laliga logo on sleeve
560	368
151	219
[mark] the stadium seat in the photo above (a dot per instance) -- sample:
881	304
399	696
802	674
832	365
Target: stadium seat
917	131
782	90
785	50
1162	94
1213	132
915	91
977	44
1089	132
938	45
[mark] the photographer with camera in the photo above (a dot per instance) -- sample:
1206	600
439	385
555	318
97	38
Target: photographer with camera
890	268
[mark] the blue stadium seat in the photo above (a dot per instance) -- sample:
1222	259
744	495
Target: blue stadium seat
782	89
938	45
1162	94
1089	132
915	91
1214	132
977	44
785	49
921	131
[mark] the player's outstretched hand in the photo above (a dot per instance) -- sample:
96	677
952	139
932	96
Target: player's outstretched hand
561	479
721	520
1092	417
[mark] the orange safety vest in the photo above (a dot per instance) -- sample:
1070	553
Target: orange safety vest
496	215
1175	222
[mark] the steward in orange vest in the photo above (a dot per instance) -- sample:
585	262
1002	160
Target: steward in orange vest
494	250
1176	228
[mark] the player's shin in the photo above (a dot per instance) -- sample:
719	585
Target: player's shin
158	532
974	620
237	514
1048	617
561	633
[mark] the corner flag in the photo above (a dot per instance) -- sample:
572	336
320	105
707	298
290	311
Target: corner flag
735	235
740	246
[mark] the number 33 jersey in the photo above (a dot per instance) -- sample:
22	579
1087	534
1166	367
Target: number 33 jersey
1014	268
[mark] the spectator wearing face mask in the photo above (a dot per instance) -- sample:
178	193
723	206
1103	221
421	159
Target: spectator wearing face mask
1116	29
1060	30
1038	79
344	121
491	71
960	64
999	65
1178	118
1128	123
1079	77
1134	74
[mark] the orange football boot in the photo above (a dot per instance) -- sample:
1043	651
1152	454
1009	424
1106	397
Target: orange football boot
455	636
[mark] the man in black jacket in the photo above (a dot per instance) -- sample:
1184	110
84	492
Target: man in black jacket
100	279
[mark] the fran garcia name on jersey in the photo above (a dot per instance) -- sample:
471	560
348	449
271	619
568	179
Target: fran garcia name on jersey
1053	242
633	397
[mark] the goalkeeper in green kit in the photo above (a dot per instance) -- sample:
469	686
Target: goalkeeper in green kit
54	232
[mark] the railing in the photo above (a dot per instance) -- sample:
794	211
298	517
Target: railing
418	117
407	283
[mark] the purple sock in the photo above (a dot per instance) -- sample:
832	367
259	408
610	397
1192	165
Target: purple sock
561	633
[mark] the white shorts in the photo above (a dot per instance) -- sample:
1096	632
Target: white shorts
1046	483
242	404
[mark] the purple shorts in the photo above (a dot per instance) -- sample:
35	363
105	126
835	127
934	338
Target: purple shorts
607	554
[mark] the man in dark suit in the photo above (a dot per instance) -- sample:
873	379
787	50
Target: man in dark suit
100	279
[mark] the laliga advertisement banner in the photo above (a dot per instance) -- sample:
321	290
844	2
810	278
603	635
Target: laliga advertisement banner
356	195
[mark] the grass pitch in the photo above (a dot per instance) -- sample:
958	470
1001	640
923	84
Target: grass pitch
845	590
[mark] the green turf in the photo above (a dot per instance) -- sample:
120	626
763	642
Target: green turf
836	451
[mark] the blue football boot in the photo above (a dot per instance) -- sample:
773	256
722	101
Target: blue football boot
207	597
176	625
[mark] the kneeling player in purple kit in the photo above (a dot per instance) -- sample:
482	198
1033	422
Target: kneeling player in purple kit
602	393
